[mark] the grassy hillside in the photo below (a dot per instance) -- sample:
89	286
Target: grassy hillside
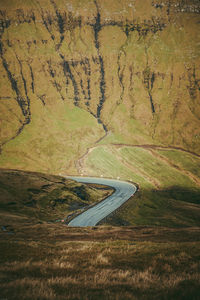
99	88
168	179
51	261
106	88
27	197
42	258
74	73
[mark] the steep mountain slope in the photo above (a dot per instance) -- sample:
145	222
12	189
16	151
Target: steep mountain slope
85	72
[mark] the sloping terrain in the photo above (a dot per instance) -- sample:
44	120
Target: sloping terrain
30	198
78	73
52	261
168	179
42	258
105	88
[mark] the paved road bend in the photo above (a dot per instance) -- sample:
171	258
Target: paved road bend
92	216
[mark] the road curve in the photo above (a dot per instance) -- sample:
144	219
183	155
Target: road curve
123	191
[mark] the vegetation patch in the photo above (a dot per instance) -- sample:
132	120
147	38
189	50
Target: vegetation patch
54	261
43	197
168	182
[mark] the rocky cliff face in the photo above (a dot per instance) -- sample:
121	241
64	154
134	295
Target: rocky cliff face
77	73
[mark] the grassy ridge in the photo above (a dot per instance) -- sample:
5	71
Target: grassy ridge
35	197
168	179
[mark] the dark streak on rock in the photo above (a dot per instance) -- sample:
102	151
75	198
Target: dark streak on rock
32	78
102	87
89	68
131	78
88	88
97	27
51	72
58	89
151	101
60	20
46	25
148	80
85	64
82	88
46	21
152	79
120	76
61	23
19	99
153	25
42	98
172	78
26	92
68	73
194	83
24	105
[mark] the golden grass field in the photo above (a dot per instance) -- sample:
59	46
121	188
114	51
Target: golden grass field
50	261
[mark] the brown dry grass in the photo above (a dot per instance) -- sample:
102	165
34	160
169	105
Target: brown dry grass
59	262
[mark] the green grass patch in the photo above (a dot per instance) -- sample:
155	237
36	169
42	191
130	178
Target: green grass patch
167	196
186	161
155	167
51	143
102	162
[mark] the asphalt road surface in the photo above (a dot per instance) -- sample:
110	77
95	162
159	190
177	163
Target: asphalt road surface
123	191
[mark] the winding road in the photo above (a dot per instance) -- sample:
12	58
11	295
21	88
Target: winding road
92	216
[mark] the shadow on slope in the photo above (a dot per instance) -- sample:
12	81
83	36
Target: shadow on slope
172	207
42	197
